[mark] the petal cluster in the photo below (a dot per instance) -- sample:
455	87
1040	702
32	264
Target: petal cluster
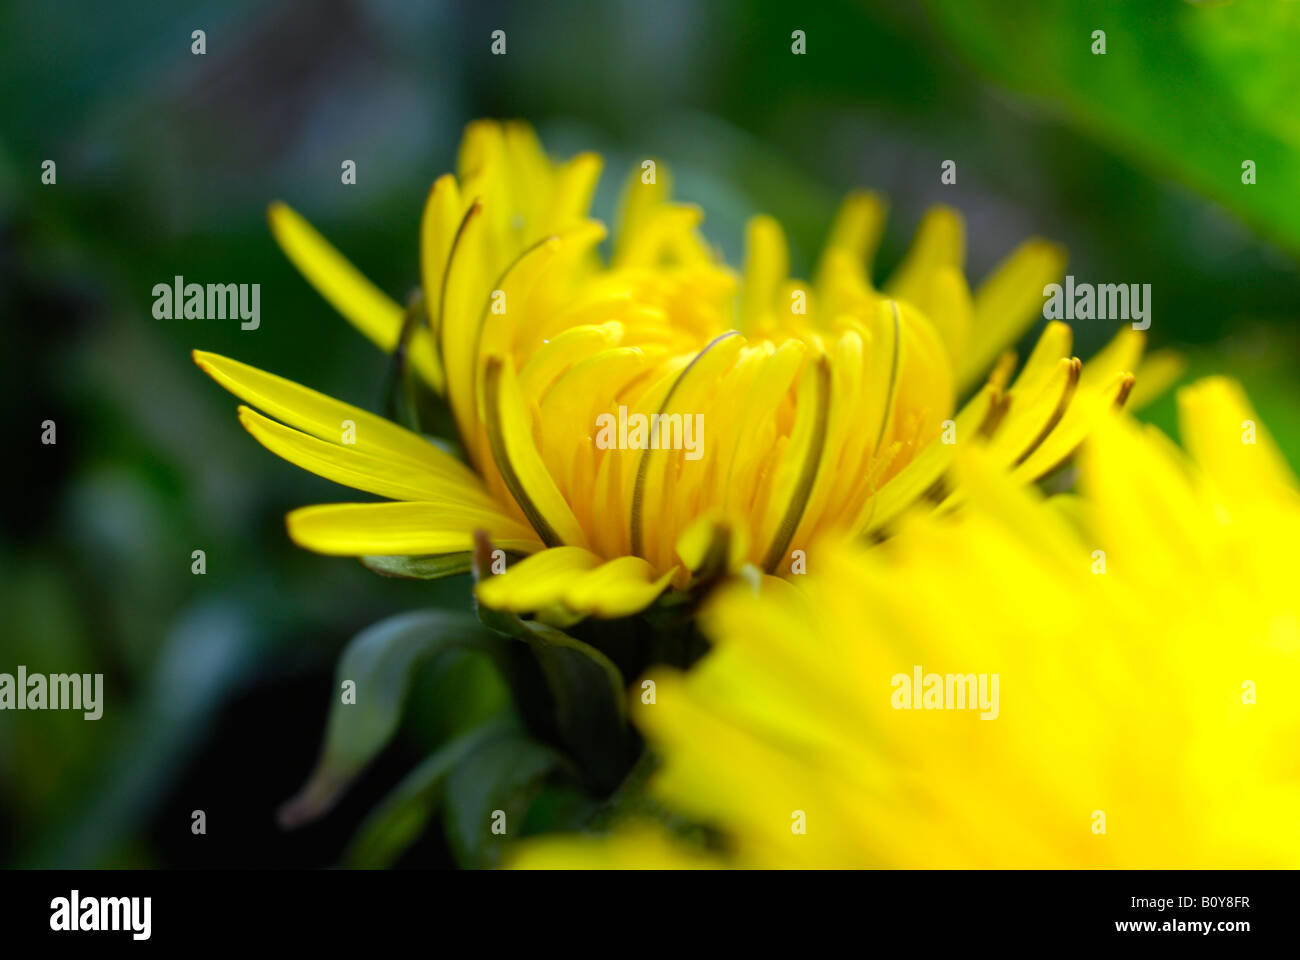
821	407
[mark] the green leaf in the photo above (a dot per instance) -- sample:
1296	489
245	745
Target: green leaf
494	788
1192	88
403	815
461	689
379	661
587	691
420	568
568	662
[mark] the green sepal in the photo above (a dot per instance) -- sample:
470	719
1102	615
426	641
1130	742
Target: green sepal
433	567
379	662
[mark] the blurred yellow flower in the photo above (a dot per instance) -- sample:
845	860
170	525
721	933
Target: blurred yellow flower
821	407
1147	640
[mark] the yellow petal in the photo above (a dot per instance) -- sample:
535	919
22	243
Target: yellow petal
1007	302
550	360
536	582
796	477
1224	435
856	231
947	303
532	172
364	305
909	485
572	406
1033	415
637	206
883	373
940	243
498	333
683	394
402	529
397	479
443	212
1082	417
1152	521
926	472
465	295
618	588
510	437
631	848
575	183
764	378
1044	360
324	417
1121	355
767	264
1017	508
664	228
711	542
484	171
1157	373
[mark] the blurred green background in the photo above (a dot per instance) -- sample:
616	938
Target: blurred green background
217	685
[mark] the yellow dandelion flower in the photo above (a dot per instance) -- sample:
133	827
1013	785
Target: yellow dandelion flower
1145	641
657	420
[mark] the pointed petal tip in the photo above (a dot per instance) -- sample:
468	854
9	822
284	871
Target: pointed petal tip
278	217
1126	387
206	361
1049	248
249	419
440	183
